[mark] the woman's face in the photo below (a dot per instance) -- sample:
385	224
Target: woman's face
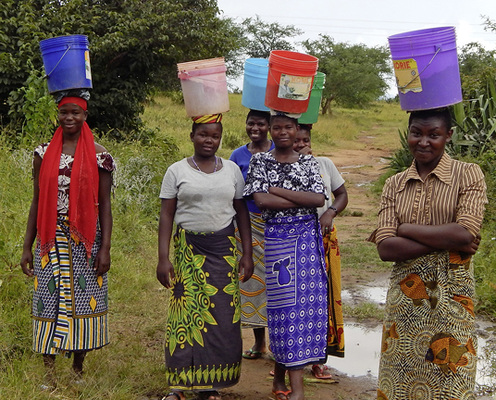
71	118
302	140
427	139
257	128
206	139
283	132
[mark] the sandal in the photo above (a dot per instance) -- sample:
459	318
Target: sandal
321	371
281	394
252	354
209	395
174	396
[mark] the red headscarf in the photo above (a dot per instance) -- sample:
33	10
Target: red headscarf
83	190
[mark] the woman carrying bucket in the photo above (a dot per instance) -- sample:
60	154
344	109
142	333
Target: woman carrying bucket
288	188
253	298
202	194
429	221
334	184
71	219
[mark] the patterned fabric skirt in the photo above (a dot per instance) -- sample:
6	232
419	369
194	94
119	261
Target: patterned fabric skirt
296	290
69	301
203	341
335	336
429	343
253	297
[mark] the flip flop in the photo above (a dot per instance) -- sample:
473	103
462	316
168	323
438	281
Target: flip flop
175	395
209	395
281	394
252	354
321	371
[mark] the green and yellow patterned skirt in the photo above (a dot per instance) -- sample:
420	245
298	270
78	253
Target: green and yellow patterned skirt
203	341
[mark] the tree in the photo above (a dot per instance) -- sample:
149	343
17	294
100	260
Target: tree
134	48
356	74
477	68
263	37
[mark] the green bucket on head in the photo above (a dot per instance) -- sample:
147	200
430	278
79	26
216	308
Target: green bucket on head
312	114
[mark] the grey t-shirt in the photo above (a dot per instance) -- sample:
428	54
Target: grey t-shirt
204	201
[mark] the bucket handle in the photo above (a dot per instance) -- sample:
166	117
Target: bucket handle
438	49
58	62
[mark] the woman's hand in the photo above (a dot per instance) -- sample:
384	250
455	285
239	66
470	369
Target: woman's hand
165	273
102	261
327	221
246	267
27	262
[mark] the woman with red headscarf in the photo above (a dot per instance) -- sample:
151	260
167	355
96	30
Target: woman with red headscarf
71	219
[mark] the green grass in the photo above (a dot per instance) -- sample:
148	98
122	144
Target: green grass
132	367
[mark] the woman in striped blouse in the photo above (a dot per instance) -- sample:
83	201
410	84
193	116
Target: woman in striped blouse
429	221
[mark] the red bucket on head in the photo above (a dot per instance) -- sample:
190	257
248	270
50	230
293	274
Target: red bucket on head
290	81
426	68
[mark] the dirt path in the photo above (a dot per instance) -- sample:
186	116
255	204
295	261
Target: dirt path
359	168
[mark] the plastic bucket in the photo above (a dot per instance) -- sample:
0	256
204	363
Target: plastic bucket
290	81
255	83
204	86
312	114
426	68
67	62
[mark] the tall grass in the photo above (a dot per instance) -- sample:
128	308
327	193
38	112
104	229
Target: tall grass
131	367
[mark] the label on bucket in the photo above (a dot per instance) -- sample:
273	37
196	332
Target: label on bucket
294	87
407	76
87	67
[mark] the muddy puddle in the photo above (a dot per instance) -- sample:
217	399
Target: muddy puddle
362	342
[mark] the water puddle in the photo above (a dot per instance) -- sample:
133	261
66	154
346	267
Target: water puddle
363	340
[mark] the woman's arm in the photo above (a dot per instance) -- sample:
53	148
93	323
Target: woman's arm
267	201
31	229
243	221
300	198
450	236
102	260
401	249
165	270
340	202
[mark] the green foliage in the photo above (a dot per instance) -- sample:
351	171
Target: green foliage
356	75
134	45
477	67
263	37
475	129
37	108
402	158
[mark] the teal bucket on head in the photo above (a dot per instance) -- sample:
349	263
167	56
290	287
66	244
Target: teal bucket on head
67	62
426	68
312	114
255	84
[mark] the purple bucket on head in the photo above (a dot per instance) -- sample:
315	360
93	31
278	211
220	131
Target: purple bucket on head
426	68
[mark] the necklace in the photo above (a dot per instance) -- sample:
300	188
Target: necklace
198	168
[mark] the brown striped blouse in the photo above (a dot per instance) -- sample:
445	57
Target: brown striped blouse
454	191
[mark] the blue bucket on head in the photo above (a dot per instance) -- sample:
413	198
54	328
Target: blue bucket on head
426	68
255	83
67	62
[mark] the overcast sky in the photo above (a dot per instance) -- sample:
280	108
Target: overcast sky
371	22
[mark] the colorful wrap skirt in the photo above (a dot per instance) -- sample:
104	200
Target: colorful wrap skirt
335	336
253	297
296	290
70	301
429	343
203	340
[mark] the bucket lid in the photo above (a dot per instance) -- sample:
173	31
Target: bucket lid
201	67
